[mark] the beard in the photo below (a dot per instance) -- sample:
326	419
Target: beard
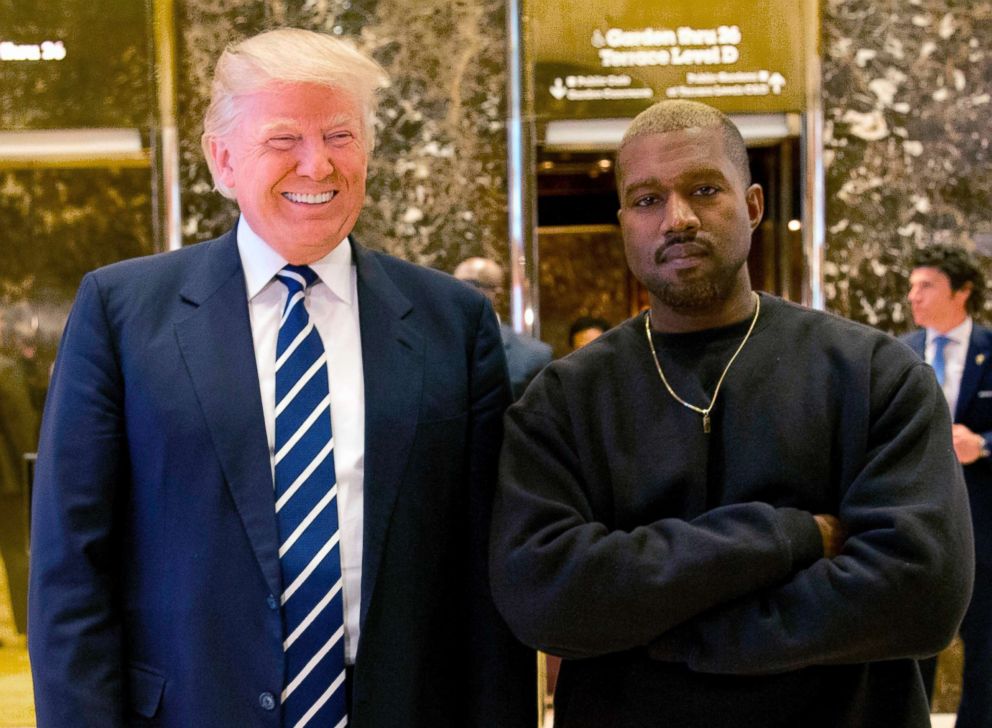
694	294
699	293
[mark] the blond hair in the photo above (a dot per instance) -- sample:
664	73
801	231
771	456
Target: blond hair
287	56
677	115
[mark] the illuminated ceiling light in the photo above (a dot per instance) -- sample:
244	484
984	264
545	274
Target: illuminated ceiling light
69	143
795	226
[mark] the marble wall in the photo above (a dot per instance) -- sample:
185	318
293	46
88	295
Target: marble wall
906	98
907	89
437	187
907	92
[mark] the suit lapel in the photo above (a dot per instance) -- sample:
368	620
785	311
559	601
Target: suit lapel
393	361
918	342
216	344
976	360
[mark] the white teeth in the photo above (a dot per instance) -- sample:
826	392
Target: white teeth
309	199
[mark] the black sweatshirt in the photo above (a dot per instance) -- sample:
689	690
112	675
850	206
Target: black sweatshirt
682	572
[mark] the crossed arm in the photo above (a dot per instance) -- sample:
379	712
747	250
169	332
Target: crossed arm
742	588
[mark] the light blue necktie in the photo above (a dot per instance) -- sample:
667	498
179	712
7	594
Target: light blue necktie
307	516
938	363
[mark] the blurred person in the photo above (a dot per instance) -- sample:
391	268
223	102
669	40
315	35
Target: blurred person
525	355
585	330
18	435
204	552
946	288
730	511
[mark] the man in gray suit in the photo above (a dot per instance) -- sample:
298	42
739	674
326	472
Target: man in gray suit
525	355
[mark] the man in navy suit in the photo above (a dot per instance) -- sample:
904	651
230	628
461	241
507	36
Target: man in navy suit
525	355
158	595
946	286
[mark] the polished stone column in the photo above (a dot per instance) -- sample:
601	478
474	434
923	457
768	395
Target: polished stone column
907	103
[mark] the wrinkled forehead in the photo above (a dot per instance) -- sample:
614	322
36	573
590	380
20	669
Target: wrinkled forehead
298	104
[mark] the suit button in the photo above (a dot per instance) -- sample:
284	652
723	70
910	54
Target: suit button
267	701
271	601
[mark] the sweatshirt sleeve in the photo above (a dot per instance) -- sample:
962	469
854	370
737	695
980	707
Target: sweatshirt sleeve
903	580
570	585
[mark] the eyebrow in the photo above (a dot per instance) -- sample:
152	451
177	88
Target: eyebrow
336	121
691	174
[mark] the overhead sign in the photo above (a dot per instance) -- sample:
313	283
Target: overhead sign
45	51
613	58
75	64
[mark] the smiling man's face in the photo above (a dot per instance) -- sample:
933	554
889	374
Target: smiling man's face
297	164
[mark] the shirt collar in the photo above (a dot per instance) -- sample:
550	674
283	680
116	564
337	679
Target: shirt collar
261	263
959	334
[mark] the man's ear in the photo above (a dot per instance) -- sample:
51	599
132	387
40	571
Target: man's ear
965	291
220	153
755	198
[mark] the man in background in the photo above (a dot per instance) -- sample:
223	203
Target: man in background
946	287
266	468
525	355
729	511
584	330
18	435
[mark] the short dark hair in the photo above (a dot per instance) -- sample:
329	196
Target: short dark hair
583	323
958	265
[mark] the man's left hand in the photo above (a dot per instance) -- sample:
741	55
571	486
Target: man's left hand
968	445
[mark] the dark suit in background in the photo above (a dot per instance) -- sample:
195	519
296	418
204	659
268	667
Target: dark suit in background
974	410
18	430
525	357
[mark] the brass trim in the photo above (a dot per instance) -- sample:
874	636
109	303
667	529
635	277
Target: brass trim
168	143
814	185
140	159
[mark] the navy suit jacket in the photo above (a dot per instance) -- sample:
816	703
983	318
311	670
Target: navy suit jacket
974	410
525	358
155	573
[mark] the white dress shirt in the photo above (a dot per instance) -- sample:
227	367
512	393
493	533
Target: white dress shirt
333	306
955	353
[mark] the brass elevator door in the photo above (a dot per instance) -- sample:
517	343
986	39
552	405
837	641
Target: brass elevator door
581	265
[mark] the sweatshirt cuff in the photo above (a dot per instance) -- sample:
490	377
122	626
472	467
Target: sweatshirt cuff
803	535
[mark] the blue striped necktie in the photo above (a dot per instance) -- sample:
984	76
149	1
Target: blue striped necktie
938	362
307	516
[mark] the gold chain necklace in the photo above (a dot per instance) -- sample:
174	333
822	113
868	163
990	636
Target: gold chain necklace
705	412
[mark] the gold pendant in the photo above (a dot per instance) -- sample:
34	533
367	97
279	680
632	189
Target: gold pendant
706	423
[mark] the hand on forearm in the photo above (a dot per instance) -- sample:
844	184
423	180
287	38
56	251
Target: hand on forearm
968	445
832	532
